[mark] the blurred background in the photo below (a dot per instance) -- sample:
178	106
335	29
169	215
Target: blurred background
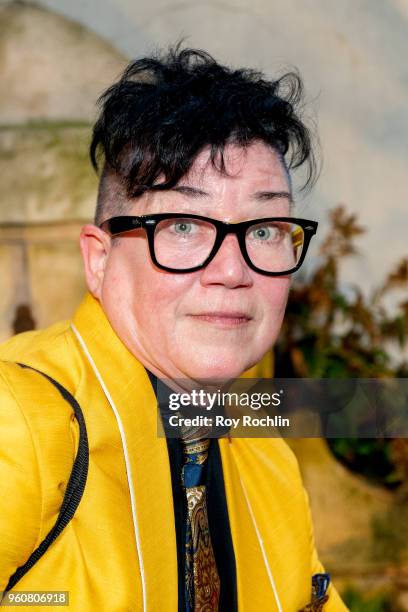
348	312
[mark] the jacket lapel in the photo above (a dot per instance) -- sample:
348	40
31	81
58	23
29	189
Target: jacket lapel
128	391
255	582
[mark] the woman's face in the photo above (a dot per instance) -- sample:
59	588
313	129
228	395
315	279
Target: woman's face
215	322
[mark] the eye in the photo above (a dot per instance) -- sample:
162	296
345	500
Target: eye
265	233
183	227
262	233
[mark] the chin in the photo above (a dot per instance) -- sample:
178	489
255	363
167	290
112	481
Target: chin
219	369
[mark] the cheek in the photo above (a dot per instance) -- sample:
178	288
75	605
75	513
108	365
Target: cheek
275	297
124	279
161	290
146	296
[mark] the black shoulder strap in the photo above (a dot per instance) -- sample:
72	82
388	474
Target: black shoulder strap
75	486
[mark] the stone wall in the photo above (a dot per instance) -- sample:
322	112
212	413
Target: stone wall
52	71
41	270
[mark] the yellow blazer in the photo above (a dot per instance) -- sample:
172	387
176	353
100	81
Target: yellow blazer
118	553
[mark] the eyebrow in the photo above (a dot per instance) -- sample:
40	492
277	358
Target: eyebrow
260	196
263	196
190	191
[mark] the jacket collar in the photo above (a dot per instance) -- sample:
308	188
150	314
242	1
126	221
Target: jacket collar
130	395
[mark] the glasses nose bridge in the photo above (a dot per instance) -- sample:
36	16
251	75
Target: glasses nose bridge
228	228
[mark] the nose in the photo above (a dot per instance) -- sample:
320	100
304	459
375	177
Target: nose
228	267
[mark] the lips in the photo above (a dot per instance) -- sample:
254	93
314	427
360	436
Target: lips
223	318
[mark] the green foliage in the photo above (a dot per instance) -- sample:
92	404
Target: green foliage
328	333
371	457
359	603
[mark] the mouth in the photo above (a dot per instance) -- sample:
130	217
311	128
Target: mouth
223	319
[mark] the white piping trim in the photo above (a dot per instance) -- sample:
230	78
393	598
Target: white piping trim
265	558
126	455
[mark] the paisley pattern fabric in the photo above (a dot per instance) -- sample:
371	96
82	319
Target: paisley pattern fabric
320	584
202	583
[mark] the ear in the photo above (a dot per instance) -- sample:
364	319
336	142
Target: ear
95	248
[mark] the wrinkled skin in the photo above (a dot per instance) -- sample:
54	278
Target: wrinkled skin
212	323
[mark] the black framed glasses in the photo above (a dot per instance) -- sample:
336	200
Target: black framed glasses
181	243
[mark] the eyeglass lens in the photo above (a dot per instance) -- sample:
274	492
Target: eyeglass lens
182	243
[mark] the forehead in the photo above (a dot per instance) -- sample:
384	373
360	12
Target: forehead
250	165
251	175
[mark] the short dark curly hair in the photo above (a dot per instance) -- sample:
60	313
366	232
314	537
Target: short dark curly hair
166	108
